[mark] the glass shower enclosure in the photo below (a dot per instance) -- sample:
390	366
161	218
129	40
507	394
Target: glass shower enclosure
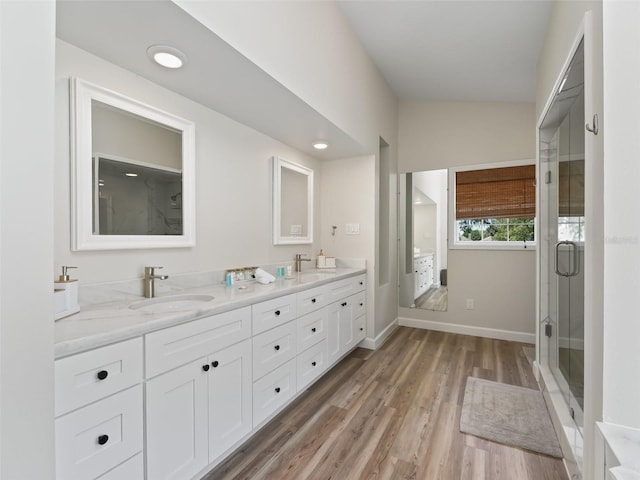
562	242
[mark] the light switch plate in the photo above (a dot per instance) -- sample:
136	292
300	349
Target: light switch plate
352	229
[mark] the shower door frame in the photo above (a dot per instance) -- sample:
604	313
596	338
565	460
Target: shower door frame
579	448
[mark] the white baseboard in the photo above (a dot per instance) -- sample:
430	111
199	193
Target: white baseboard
468	330
376	343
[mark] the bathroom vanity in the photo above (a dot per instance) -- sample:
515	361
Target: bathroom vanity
168	387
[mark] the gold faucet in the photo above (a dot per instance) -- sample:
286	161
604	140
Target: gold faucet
299	261
149	281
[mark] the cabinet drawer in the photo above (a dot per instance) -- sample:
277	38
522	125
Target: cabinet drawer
346	287
132	469
90	376
312	328
98	437
273	390
359	304
175	346
312	299
272	313
273	348
311	364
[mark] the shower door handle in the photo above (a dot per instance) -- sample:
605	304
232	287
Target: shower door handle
576	260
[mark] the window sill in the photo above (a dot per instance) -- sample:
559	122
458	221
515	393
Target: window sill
493	246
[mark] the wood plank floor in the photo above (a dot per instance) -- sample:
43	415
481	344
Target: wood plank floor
394	414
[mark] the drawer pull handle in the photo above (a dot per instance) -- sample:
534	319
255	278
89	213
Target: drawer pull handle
361	283
361	329
313	364
102	374
215	364
205	368
344	304
277	347
102	439
361	304
277	389
313	300
277	312
313	329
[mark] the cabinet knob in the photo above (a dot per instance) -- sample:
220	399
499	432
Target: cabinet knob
313	329
344	304
277	389
102	374
361	304
361	283
215	364
313	364
205	367
277	347
277	312
361	329
102	439
313	300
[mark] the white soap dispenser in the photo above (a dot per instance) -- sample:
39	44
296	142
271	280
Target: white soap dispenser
65	295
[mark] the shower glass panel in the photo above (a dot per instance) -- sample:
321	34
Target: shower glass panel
562	140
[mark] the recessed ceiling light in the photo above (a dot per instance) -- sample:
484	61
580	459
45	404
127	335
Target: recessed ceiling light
167	56
320	145
131	174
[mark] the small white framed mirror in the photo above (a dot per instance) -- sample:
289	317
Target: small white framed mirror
292	203
133	173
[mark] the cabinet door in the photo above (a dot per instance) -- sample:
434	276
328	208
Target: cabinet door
229	397
333	332
347	327
177	432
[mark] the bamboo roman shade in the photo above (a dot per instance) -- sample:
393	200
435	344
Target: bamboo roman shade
507	192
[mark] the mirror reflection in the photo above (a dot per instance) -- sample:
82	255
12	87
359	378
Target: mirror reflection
137	176
293	196
292	203
424	201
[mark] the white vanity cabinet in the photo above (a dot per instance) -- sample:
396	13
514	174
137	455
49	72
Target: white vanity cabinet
424	274
196	412
99	422
172	403
346	319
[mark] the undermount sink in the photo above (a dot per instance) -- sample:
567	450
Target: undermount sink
312	277
170	303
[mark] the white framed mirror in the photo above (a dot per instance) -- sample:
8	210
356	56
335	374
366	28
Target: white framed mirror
292	203
133	173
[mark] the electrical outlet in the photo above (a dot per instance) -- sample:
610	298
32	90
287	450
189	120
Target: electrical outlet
470	304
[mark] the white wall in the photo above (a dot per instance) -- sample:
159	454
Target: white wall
310	49
27	32
622	241
348	189
233	184
436	135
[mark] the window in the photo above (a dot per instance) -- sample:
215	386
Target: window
494	207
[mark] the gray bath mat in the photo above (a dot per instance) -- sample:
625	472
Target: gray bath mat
509	415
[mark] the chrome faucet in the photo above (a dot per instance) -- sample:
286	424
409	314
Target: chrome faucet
299	261
150	281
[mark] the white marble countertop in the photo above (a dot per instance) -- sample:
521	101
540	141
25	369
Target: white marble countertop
108	322
624	442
